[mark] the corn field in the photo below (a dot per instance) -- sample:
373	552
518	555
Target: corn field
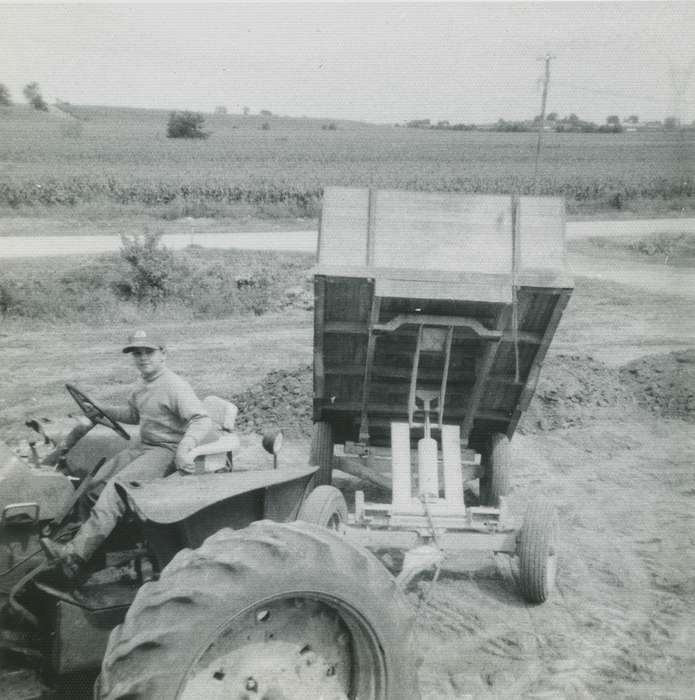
122	156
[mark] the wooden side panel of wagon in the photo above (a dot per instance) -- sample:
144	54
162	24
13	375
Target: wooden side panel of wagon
489	267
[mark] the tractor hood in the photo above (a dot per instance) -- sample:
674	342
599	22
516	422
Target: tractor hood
20	483
177	497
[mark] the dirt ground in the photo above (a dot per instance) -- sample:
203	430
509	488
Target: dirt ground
609	439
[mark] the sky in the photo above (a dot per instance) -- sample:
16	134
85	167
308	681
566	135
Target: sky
378	62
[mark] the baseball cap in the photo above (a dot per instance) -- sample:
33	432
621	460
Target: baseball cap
142	339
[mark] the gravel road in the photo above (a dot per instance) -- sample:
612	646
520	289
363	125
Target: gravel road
301	241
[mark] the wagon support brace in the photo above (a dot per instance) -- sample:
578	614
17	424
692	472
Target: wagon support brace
450	541
433	320
421	320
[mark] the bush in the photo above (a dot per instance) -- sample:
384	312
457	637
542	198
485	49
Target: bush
186	125
152	268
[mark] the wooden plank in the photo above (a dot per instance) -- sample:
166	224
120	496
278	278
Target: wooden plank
368	365
371	226
391	372
377	410
401	465
552	280
319	367
542	233
430	230
346	328
482	372
344	223
536	365
495	289
451	457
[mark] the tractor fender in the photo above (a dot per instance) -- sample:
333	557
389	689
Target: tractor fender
177	497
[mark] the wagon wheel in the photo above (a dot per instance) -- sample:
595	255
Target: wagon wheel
497	470
322	452
325	506
279	610
537	550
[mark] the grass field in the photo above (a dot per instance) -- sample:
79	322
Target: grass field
194	283
117	157
675	249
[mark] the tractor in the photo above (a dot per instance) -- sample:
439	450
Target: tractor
229	582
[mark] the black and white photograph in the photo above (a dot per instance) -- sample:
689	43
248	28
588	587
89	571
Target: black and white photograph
347	350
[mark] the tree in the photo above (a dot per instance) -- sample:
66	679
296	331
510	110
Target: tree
671	123
613	120
5	97
246	111
266	113
152	268
186	125
32	92
552	117
632	119
220	109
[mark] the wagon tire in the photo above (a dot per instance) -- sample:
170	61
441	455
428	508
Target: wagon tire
537	550
321	454
284	607
496	480
325	506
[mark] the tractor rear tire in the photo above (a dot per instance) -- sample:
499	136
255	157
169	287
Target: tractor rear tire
537	549
325	506
282	610
321	454
496	480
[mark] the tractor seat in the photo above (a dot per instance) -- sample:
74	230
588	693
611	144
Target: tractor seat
217	455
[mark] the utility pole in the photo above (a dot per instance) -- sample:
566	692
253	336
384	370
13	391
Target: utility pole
547	58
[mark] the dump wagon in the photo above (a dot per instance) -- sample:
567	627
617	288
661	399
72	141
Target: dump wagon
433	314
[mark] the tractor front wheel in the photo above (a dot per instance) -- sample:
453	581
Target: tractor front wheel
274	610
325	506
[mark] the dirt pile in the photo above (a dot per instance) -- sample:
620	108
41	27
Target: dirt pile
570	392
573	390
282	399
664	384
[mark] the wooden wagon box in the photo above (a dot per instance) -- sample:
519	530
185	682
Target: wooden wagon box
456	294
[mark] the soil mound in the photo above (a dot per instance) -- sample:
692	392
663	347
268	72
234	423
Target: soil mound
282	399
573	390
664	384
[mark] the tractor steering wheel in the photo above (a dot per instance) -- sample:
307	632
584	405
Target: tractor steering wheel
94	413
